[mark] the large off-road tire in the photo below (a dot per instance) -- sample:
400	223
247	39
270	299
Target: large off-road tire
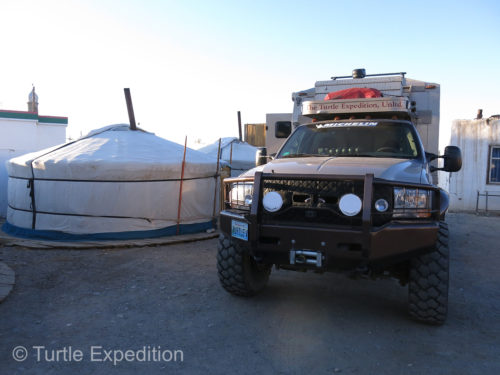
238	272
428	284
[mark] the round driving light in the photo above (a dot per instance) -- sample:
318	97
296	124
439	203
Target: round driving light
248	200
381	205
272	201
350	204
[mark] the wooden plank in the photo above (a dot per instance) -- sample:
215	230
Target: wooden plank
158	241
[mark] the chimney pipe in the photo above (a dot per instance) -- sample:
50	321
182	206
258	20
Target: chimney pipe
130	108
239	125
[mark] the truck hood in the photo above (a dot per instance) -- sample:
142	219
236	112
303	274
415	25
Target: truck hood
391	169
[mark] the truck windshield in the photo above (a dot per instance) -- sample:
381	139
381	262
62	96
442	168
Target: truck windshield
351	139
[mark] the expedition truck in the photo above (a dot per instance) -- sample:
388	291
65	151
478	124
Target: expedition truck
351	191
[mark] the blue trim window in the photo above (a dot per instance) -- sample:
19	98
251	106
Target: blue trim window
494	165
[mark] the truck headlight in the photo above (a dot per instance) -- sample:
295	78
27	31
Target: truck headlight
240	195
411	203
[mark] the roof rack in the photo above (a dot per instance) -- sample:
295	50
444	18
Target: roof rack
402	74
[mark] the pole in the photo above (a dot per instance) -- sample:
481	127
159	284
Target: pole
216	175
231	156
180	188
239	125
130	109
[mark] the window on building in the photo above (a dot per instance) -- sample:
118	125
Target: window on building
494	166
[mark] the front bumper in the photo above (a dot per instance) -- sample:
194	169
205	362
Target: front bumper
274	242
396	240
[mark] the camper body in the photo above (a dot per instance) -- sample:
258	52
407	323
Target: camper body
422	98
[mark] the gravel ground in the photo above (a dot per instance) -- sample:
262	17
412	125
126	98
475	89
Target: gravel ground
105	302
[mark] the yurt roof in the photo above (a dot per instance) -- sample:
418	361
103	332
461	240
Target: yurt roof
114	153
242	152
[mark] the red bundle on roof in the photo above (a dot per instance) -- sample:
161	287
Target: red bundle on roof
353	93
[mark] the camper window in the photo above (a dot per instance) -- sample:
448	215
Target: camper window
283	129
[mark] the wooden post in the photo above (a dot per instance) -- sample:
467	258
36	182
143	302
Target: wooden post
130	109
231	158
225	172
216	175
180	188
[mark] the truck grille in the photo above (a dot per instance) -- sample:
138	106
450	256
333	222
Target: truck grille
308	201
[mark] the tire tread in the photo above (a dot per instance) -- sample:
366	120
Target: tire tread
429	279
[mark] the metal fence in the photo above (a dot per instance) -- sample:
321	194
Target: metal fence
487	196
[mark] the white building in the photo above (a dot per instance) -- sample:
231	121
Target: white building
478	182
22	132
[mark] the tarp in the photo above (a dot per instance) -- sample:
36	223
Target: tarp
354	93
112	183
240	155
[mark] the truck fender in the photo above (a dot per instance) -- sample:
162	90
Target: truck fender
444	201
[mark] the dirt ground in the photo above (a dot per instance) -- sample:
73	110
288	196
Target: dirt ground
100	303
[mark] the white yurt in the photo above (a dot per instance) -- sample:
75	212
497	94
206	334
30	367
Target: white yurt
240	155
114	183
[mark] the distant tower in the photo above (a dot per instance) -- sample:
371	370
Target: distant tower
33	101
479	114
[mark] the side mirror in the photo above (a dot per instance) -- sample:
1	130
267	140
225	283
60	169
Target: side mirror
452	159
430	156
282	129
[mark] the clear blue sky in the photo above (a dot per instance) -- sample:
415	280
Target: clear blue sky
192	64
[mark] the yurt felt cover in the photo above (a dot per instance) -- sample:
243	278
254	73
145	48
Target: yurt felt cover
114	183
240	155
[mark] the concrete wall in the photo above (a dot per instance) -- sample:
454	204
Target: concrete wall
474	137
19	136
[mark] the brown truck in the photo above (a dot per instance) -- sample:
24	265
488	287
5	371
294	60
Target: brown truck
345	195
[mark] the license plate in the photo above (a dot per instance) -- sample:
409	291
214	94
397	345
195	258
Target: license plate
239	230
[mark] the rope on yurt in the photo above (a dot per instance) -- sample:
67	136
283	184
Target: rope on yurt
180	188
122	181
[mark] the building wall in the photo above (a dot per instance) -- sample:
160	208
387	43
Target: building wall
474	137
255	134
23	132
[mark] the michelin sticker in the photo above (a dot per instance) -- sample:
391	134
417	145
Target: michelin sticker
342	124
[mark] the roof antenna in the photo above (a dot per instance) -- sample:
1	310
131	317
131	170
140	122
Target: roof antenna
130	109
